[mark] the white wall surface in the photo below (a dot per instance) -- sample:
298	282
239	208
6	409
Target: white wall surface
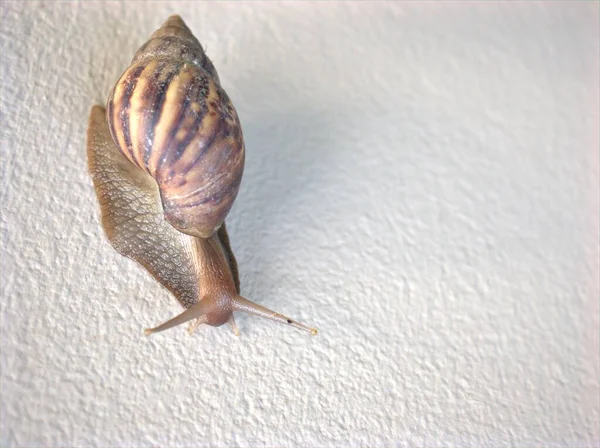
421	185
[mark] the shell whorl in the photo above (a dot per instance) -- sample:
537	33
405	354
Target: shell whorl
169	115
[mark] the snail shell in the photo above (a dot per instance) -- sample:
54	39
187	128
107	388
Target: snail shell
169	115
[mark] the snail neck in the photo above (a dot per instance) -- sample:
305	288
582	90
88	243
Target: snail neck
215	283
218	293
215	279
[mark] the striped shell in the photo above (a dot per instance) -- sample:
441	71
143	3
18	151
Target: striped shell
169	115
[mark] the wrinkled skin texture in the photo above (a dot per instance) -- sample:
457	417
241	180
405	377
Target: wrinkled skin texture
132	217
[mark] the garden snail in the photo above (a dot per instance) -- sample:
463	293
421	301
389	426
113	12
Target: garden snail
166	159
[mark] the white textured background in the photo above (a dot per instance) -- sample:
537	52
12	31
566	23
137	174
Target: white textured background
421	185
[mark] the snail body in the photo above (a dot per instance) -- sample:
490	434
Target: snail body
166	157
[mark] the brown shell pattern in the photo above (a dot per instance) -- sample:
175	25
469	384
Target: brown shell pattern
169	116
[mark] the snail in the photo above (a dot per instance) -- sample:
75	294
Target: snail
166	157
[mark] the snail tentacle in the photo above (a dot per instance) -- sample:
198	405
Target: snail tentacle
197	311
194	326
233	325
242	304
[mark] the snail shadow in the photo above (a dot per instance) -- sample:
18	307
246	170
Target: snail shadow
288	152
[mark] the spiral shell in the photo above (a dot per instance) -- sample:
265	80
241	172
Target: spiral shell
169	115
